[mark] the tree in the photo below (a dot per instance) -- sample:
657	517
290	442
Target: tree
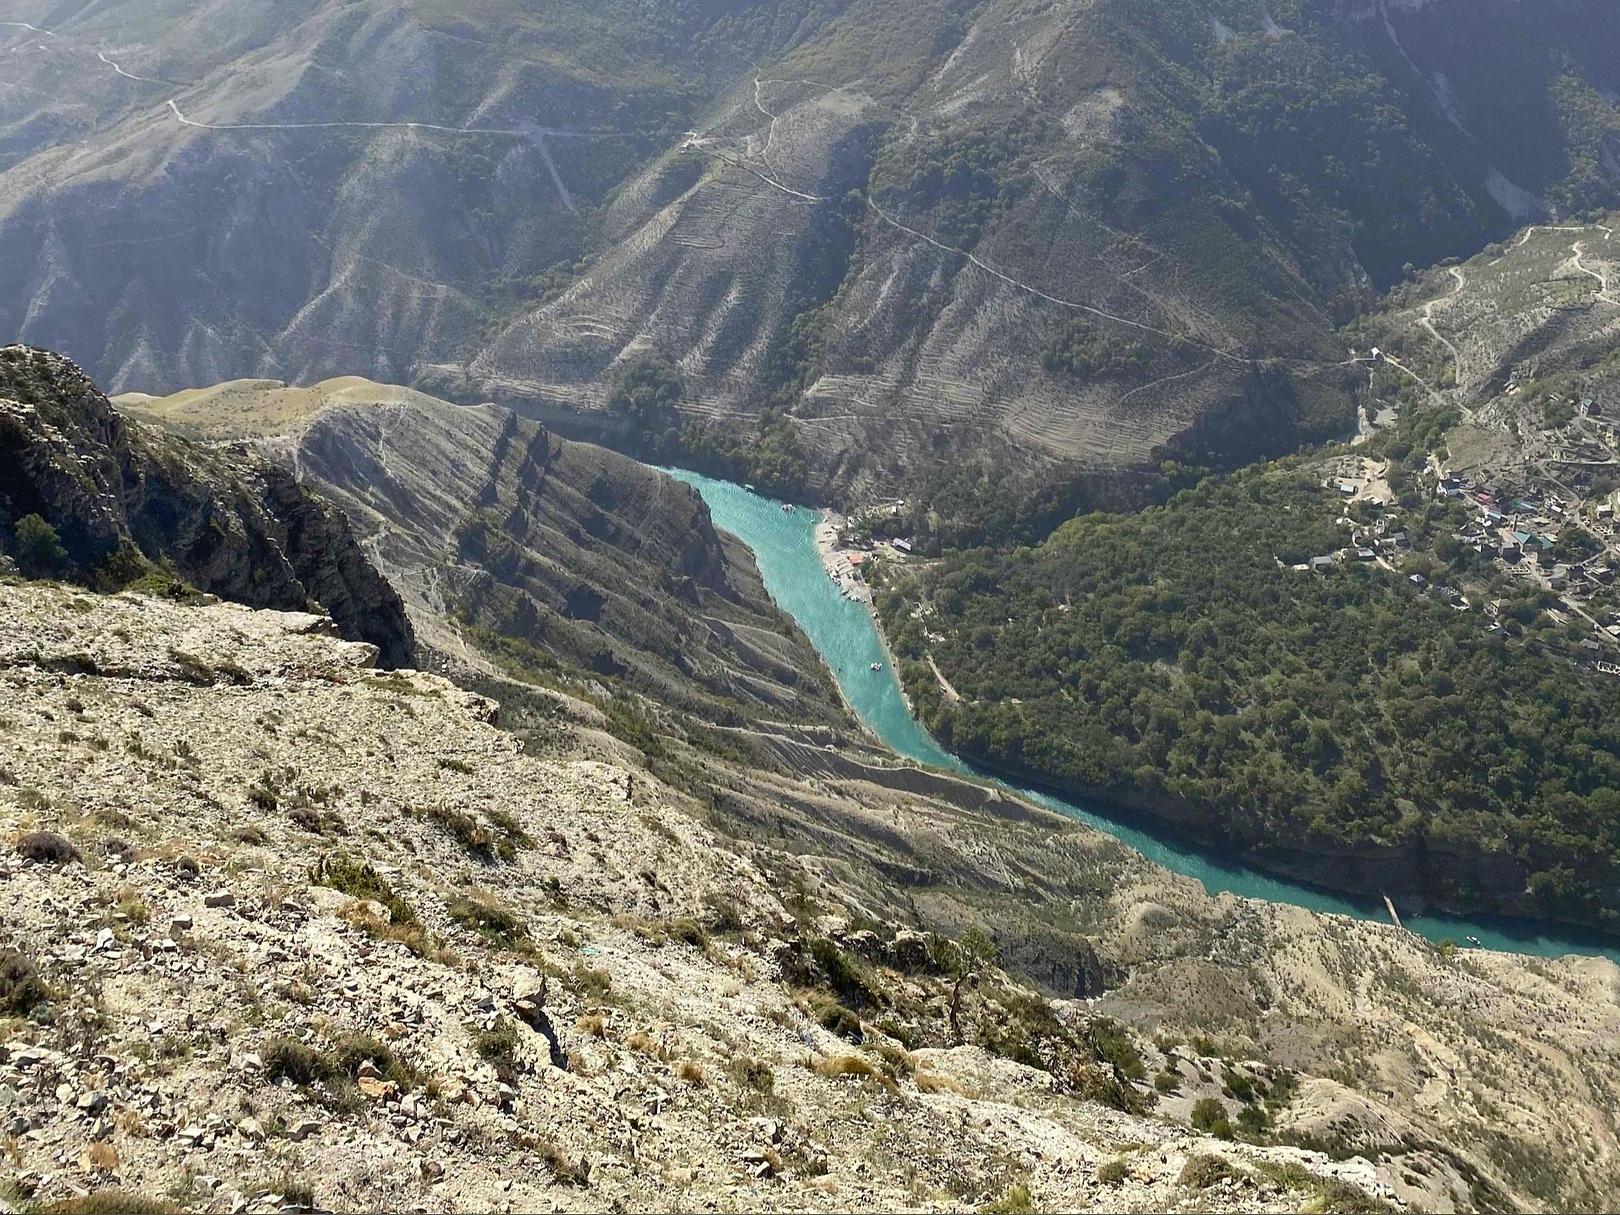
648	391
39	548
968	959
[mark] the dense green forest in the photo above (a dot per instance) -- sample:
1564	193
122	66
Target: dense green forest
647	392
1174	657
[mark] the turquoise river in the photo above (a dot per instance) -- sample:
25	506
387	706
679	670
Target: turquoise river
784	545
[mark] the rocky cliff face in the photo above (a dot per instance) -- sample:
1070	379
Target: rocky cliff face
502	536
125	501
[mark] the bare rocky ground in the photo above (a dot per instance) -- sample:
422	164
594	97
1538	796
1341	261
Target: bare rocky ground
283	931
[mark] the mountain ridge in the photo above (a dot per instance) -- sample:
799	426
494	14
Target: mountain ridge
903	241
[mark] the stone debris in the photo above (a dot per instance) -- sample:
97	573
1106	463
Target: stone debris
348	987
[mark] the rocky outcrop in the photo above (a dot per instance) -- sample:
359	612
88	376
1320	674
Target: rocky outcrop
126	501
327	939
493	527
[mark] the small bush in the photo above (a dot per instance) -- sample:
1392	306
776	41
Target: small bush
479	841
47	847
836	1066
317	821
331	1071
753	1073
359	880
506	823
688	931
21	988
1016	1201
110	1202
1209	1116
263	794
1091	1082
691	1072
563	1170
118	850
835	1018
1201	1172
502	1046
591	984
933	1082
897	1063
349	1051
846	975
1112	1043
302	1064
39	547
1167	1081
1112	1172
724	915
496	923
1237	1085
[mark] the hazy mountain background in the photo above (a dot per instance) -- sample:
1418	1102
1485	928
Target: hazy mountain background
881	237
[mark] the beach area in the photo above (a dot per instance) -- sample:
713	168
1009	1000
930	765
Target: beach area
841	561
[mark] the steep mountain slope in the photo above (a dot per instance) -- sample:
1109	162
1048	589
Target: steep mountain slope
880	236
1532	313
504	537
126	502
355	998
326	937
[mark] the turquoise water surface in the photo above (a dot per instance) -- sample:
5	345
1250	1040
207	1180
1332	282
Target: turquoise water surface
783	543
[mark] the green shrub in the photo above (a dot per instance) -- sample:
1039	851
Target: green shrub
479	841
1113	1044
359	880
1015	1201
845	974
1112	1172
39	548
1237	1085
835	1018
1209	1116
21	988
753	1073
490	919
502	1046
1201	1172
332	1070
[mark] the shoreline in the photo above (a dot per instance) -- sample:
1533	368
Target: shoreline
835	559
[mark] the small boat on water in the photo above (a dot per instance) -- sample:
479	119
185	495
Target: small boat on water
788	508
1474	941
876	666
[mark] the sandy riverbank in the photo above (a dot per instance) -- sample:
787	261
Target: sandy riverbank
836	560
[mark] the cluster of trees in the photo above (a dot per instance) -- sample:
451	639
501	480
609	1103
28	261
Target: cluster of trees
958	177
1325	142
1085	350
1173	657
648	392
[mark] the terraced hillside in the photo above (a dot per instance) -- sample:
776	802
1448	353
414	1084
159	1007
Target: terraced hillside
879	236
